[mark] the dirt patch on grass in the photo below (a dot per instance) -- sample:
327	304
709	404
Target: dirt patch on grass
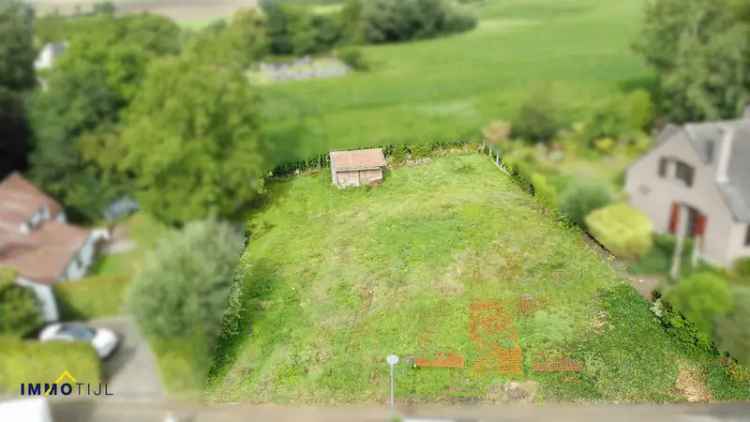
691	385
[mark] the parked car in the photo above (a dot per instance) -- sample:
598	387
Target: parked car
104	341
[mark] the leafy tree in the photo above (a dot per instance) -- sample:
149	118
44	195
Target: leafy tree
16	77
97	77
20	312
580	199
76	102
733	331
239	43
278	26
192	141
17	47
297	30
701	51
185	284
702	298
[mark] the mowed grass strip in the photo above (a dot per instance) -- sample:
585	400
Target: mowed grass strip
448	88
336	280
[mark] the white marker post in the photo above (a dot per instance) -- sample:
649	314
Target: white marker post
392	361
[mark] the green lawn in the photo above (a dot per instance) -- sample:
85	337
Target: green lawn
335	280
450	87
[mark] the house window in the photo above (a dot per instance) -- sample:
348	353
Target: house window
663	167
685	173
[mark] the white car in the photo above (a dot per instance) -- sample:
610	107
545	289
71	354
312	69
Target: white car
104	341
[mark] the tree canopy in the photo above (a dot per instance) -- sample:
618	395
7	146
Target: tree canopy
16	78
17	47
192	140
87	90
701	51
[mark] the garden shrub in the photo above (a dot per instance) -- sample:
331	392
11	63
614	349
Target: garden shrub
623	230
32	362
353	58
183	289
702	298
538	119
20	311
544	191
91	297
580	199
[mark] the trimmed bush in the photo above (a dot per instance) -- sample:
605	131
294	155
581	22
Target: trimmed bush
32	361
580	199
20	311
623	230
91	297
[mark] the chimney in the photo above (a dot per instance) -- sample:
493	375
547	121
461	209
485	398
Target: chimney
722	170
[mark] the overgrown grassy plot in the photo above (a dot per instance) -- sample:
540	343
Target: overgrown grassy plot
335	280
448	88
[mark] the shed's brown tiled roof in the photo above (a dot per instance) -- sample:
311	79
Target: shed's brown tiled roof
362	159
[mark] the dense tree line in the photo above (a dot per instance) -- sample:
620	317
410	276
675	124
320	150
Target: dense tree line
296	29
132	107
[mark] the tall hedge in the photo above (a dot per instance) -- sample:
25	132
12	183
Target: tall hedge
183	289
32	362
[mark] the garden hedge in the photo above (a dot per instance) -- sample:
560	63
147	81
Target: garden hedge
623	230
35	362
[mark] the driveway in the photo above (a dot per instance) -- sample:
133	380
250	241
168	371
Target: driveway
132	373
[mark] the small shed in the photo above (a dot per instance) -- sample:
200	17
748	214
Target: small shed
357	168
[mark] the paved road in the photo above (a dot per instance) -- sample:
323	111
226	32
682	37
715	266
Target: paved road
131	373
156	412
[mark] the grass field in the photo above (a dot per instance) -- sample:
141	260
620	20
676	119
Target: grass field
449	88
450	257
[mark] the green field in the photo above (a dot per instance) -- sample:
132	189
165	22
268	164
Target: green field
335	280
449	88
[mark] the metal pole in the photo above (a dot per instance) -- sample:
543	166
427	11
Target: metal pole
392	361
393	400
